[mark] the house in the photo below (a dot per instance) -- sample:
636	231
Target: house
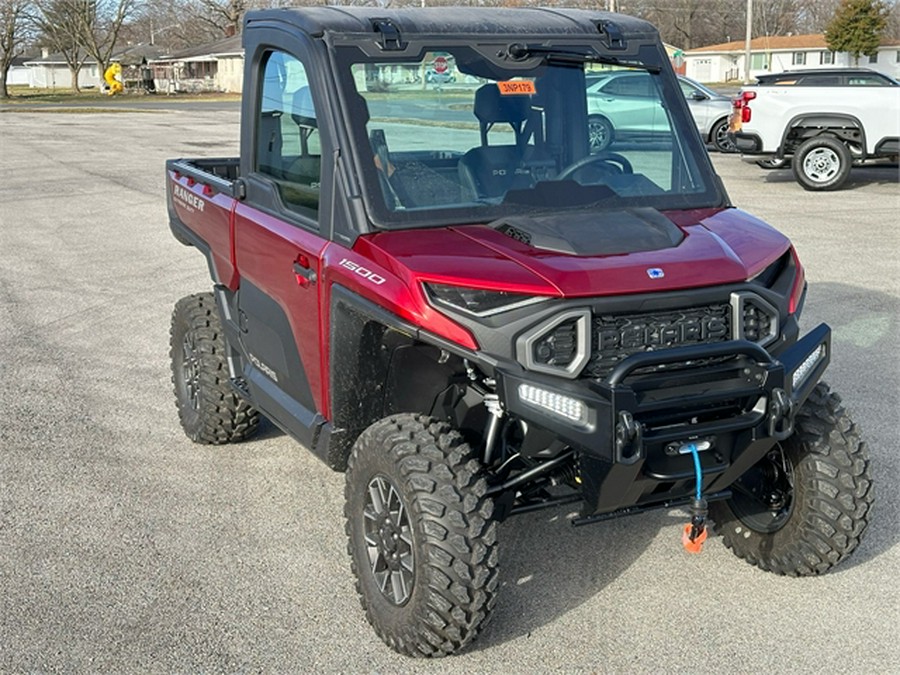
212	67
135	59
50	71
777	53
18	72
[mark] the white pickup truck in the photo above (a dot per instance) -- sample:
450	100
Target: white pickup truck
822	121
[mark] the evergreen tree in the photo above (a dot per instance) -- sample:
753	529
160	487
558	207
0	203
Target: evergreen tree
857	27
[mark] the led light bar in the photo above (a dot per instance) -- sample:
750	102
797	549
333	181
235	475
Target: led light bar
804	369
566	407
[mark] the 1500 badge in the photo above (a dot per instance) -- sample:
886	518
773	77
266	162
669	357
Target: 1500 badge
356	268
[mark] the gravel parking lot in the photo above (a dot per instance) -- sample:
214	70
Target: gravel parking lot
126	548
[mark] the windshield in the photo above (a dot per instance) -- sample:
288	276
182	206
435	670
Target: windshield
455	137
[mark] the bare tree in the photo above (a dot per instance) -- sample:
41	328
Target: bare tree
99	25
12	27
58	23
224	16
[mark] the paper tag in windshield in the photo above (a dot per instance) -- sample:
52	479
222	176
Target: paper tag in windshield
517	88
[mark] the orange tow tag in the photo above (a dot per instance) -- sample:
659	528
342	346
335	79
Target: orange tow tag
695	546
517	88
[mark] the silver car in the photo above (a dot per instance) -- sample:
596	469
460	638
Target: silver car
624	107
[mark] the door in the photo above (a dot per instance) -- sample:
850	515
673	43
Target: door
278	244
699	103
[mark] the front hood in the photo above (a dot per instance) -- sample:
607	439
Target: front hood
718	246
705	247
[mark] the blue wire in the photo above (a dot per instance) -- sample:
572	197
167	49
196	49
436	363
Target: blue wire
698	470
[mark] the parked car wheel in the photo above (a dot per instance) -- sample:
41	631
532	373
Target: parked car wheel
600	133
719	137
770	164
422	540
822	163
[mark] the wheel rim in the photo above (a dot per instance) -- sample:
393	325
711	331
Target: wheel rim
190	370
763	498
821	164
598	135
722	142
388	538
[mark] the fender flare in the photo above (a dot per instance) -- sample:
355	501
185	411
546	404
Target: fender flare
824	121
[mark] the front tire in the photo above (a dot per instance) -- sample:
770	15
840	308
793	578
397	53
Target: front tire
209	409
422	541
822	163
804	507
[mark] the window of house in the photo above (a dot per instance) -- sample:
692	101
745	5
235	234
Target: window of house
757	61
799	59
898	56
873	58
288	149
826	58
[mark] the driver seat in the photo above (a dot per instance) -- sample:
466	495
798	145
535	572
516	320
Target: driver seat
492	170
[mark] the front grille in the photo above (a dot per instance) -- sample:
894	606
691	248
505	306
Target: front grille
616	337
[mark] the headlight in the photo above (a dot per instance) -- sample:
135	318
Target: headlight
569	408
559	346
476	301
754	319
804	369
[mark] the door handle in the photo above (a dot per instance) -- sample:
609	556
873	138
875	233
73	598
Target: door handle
305	275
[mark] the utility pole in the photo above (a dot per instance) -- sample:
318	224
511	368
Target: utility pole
612	5
747	41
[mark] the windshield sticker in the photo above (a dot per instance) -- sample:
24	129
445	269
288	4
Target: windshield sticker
517	88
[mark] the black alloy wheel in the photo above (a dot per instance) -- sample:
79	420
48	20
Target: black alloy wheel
389	540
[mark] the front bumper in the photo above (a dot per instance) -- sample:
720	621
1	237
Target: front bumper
628	428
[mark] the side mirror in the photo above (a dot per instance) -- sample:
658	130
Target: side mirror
699	96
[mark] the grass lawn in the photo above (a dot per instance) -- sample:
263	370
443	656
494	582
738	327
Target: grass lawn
20	94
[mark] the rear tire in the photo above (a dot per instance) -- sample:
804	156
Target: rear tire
209	409
600	133
719	137
770	164
804	507
822	163
421	537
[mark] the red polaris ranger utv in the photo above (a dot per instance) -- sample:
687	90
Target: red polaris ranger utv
425	270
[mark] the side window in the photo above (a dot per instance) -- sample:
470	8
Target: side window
687	89
866	81
630	85
288	149
821	81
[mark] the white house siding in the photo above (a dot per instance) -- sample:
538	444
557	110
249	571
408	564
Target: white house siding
18	76
727	64
58	76
230	75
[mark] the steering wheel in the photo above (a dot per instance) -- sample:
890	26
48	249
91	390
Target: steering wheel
613	160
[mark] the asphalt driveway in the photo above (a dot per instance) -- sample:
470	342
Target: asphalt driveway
126	548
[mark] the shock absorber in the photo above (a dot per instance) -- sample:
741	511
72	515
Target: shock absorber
495	416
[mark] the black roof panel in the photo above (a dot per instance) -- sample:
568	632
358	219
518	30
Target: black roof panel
453	20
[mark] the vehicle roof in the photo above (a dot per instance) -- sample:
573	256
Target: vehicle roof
451	21
820	71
